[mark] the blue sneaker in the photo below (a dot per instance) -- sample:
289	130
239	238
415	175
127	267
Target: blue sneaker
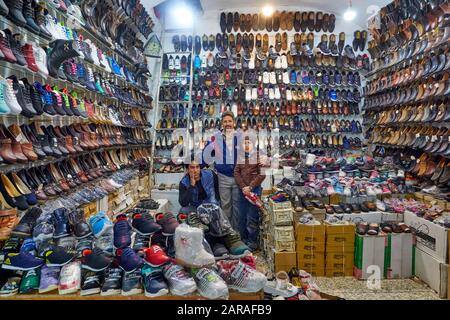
197	62
100	223
3	106
128	259
28	246
122	232
154	283
21	261
293	77
333	95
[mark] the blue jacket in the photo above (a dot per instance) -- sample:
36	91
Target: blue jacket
225	167
189	195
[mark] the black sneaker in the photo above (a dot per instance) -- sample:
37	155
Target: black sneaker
90	283
94	260
112	284
56	256
83	244
144	224
140	242
132	283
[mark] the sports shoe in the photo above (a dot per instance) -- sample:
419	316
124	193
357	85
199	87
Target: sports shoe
122	232
90	283
132	283
105	242
11	287
30	281
155	256
83	244
42	232
168	223
154	283
113	282
70	278
235	246
281	286
194	221
189	247
128	259
239	276
94	260
139	241
100	223
180	282
61	223
79	226
21	261
56	256
144	224
49	279
210	285
27	223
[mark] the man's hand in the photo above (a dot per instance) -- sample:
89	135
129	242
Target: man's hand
246	190
193	181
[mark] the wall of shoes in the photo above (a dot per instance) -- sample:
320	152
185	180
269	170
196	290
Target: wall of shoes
74	104
294	72
406	105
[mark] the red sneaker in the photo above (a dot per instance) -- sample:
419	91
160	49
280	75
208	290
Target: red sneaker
155	256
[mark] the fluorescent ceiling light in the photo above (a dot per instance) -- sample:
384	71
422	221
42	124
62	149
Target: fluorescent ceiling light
182	15
349	14
267	10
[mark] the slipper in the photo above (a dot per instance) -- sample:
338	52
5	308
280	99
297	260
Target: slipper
362	228
229	22
303	22
236	21
241	26
374	229
386	227
283	20
290	21
269	23
325	22
311	21
319	21
332	24
255	22
248	23
404	227
276	21
297	21
284	41
261	21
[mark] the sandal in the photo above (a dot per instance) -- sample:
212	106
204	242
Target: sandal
374	229
362	228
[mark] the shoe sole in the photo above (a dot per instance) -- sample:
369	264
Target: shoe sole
132	292
20	234
9	267
223	257
83	237
114	292
153	265
162	292
90	292
68	291
92	269
143	234
244	254
9	294
48	289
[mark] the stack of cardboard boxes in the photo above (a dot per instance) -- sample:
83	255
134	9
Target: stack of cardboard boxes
311	248
339	249
279	237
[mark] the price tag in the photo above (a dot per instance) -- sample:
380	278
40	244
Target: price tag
418	135
433	138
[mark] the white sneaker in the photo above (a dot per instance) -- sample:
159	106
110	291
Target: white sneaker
278	63
284	63
273	78
248	94
266	92
210	284
286	78
204	61
251	63
239	276
281	286
41	60
266	78
10	97
310	159
271	93
254	93
70	278
380	205
179	281
288	94
277	93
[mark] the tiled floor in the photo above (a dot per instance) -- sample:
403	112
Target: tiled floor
351	289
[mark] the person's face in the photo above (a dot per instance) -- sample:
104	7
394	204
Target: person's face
194	171
248	146
228	123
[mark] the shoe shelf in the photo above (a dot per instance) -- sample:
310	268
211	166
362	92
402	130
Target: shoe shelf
26	34
447	156
32	164
406	103
443	124
391	67
234	295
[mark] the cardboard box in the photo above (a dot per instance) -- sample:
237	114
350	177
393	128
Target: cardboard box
308	265
339	229
339	272
369	255
340	239
337	260
341	248
311	247
432	271
315	272
284	261
281	217
306	233
305	258
430	237
392	217
399	256
284	233
284	245
369	217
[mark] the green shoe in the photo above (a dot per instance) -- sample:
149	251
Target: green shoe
235	246
30	281
194	221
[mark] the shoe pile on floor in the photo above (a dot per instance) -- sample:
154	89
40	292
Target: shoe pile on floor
57	249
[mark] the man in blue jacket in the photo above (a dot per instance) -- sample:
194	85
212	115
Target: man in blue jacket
197	187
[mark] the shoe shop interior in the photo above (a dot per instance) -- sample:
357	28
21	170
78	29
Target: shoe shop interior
224	149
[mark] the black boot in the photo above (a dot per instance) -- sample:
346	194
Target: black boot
27	223
80	228
28	14
61	222
15	12
62	50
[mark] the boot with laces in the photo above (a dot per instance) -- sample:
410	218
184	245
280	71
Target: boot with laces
62	50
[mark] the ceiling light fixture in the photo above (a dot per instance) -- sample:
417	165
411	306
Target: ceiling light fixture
182	14
267	10
349	14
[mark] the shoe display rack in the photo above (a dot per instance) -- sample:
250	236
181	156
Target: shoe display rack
74	102
406	105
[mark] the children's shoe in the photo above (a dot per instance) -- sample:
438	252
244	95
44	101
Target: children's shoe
155	256
154	283
235	246
189	247
100	223
180	282
70	278
210	284
90	283
129	260
112	284
49	279
239	276
168	223
11	287
30	281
